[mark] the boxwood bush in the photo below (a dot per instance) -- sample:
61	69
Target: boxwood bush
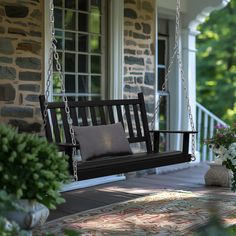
30	167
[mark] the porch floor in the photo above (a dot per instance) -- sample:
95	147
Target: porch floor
190	179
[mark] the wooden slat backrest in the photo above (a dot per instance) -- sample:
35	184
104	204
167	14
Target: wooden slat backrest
137	122
130	112
111	114
129	121
82	112
47	127
65	125
102	115
55	125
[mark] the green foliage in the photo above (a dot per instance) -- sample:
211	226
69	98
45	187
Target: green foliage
31	168
216	63
70	232
224	136
223	144
8	203
215	228
10	228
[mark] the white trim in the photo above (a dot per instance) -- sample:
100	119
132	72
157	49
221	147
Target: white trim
200	10
91	182
47	36
116	49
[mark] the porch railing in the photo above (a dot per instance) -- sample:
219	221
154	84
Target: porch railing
206	122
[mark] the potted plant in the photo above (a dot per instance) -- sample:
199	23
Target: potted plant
223	144
32	170
8	203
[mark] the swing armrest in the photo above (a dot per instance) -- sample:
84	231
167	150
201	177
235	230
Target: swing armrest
156	138
173	131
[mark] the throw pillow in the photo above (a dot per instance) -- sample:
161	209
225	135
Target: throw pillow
102	140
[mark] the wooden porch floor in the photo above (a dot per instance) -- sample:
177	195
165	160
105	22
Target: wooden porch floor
190	179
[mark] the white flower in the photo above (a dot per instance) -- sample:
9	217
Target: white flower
232	150
233	161
230	153
219	150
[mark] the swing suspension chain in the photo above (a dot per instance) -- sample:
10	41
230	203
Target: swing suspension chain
176	53
54	54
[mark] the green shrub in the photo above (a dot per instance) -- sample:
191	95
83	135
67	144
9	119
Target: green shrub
31	168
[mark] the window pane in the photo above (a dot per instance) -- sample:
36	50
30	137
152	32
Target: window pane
95	44
163	113
161	52
161	77
82	63
58	18
96	3
95	22
95	84
83	5
163	122
57	99
70	83
69	20
59	38
95	98
83	22
69	62
83	98
56	83
83	43
83	84
95	64
57	3
70	4
71	99
70	41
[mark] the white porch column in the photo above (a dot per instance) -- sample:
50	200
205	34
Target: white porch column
189	67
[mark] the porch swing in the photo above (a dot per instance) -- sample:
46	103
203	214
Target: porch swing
97	115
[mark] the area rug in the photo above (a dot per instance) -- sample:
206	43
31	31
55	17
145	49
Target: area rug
164	213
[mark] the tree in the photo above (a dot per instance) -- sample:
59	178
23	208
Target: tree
216	63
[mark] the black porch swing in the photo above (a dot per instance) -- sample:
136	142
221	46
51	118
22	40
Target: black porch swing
106	113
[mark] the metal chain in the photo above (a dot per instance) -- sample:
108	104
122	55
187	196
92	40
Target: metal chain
179	58
177	53
54	54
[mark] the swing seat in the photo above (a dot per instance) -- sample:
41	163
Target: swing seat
131	113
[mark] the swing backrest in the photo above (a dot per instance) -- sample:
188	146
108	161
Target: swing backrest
130	112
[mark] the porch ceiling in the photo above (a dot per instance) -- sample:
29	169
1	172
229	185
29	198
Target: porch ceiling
194	11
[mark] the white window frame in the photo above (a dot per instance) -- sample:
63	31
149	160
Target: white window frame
104	75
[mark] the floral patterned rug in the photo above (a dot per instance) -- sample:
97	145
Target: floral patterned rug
164	213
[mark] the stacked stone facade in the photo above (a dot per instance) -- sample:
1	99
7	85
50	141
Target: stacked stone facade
139	50
21	63
22	58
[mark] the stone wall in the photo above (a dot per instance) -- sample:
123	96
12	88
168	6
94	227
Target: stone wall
139	50
21	63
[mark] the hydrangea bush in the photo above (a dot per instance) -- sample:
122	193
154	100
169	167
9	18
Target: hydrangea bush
223	144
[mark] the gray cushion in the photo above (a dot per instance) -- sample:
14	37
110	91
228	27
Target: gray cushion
102	140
